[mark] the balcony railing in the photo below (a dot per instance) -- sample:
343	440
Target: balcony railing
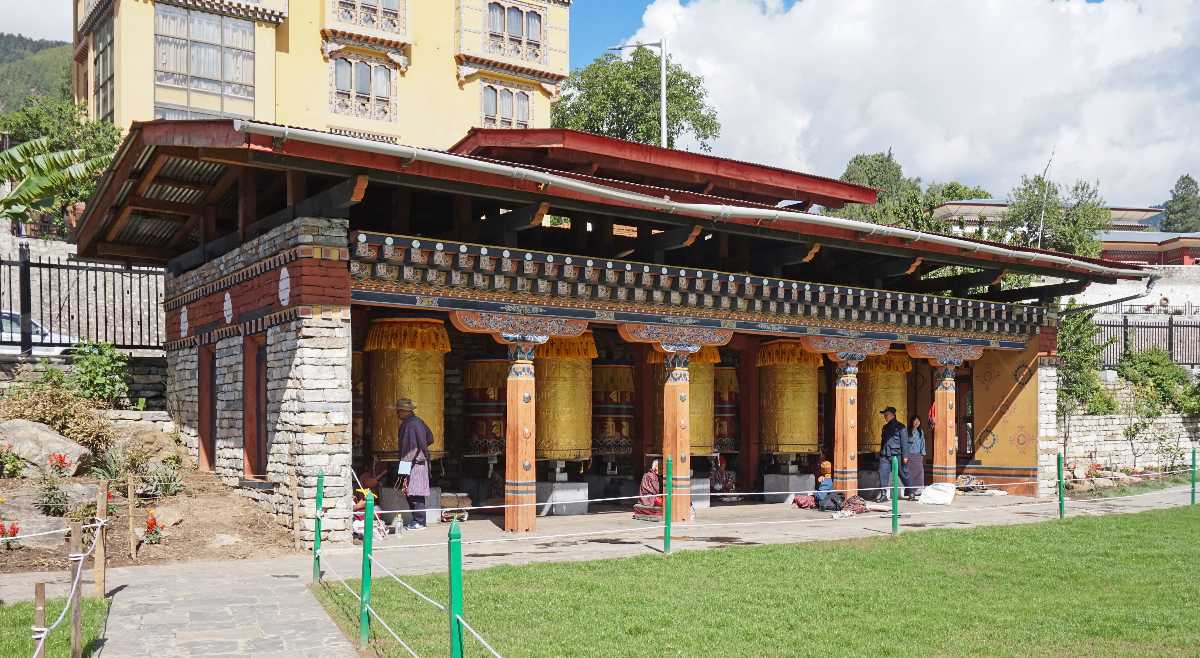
520	49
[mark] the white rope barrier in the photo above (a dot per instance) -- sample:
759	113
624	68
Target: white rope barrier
396	637
40	634
410	588
52	532
340	578
478	637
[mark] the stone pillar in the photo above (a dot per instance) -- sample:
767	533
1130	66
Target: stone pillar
945	438
520	475
676	433
845	425
1049	442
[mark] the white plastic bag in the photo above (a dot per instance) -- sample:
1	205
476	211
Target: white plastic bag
941	493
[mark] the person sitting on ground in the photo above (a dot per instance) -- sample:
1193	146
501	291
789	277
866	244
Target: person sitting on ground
370	482
824	482
650	491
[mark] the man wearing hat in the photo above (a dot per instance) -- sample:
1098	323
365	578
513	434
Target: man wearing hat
415	439
891	444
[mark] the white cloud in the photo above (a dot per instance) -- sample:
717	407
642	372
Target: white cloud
976	91
37	19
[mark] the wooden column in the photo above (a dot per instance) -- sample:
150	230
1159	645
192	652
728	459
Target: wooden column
945	461
247	203
676	432
845	427
644	396
748	444
520	474
401	210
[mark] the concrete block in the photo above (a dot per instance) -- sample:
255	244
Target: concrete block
787	482
562	498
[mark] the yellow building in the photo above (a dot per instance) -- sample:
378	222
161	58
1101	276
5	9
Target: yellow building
419	72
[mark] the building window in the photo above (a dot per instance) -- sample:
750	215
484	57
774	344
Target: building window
102	75
203	64
386	15
363	88
504	107
515	32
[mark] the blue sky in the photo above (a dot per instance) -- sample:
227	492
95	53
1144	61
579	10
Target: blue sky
599	24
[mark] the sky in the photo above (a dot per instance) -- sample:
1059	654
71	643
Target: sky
979	91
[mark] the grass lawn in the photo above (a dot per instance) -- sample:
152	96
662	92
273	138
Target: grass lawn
1096	586
16	618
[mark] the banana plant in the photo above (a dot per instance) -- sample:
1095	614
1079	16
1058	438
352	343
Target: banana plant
40	175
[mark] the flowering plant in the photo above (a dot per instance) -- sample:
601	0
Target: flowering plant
60	464
11	463
153	530
8	534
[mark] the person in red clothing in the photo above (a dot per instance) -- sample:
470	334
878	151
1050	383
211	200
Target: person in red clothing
650	490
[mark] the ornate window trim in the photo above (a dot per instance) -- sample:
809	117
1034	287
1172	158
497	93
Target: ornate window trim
369	106
497	120
508	45
370	17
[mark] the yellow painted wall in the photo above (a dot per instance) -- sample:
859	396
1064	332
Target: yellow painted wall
1006	413
293	76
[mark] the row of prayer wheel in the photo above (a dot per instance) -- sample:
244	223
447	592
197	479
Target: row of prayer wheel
586	409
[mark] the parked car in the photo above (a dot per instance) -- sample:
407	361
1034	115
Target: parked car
10	337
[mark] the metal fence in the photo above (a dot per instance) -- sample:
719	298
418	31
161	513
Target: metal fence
1180	338
1185	310
47	305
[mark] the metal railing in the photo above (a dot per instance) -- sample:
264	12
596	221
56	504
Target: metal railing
1179	338
49	304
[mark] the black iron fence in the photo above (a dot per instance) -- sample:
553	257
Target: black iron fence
1180	338
48	305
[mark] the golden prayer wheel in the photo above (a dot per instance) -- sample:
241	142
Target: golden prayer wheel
612	409
563	368
701	399
787	389
407	360
727	431
882	383
485	395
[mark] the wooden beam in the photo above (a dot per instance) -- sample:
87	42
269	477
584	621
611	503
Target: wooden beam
957	282
333	202
402	210
1040	293
792	255
115	250
895	268
182	185
297	187
184	230
219	188
521	219
160	206
143	183
462	217
247	202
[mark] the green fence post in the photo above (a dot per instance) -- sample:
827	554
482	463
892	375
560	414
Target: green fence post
454	545
364	616
1193	476
895	495
317	537
670	486
1062	504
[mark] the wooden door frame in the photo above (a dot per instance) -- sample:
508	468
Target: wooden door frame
206	417
255	437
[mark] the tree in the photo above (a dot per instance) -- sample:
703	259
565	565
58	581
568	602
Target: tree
1183	210
1040	215
64	127
620	98
1079	386
44	177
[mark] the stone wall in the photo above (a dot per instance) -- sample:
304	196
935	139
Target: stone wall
1100	439
1048	435
290	287
122	418
146	378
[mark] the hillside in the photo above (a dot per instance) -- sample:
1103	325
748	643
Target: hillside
31	66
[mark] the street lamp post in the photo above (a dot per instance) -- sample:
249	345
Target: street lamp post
662	82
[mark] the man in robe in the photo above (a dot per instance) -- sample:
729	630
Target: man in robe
892	439
650	490
415	439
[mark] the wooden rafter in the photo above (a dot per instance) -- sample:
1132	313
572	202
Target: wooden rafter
1040	293
957	282
143	183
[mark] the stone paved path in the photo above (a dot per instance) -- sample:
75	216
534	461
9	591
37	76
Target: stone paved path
263	608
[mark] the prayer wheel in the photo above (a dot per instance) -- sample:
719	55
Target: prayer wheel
612	409
727	430
882	383
485	391
701	399
406	359
357	378
563	368
787	389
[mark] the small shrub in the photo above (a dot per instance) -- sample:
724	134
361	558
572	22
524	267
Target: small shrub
52	401
98	372
118	464
164	480
11	464
154	534
51	499
1102	403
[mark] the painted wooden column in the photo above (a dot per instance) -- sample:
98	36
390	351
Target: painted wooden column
845	355
678	344
945	359
520	479
522	334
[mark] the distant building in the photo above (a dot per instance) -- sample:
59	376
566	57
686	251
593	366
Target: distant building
1151	247
973	213
416	72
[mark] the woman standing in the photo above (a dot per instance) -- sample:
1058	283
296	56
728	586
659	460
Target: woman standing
914	457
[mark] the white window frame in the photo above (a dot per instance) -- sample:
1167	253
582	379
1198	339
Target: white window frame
498	120
515	46
371	14
371	105
103	73
227	89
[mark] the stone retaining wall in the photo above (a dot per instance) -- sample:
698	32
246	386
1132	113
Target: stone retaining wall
121	418
1099	439
147	376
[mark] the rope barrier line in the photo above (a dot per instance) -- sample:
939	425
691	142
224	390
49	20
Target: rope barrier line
40	634
340	578
396	637
478	636
410	588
